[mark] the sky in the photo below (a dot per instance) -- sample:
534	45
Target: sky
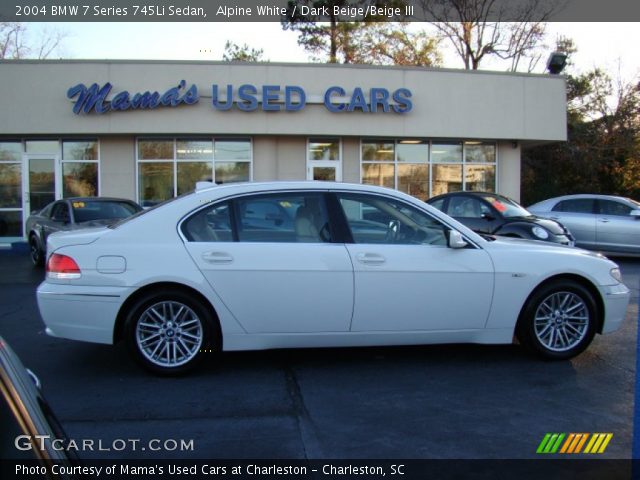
613	46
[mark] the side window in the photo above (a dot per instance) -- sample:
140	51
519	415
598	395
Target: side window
379	220
465	207
60	212
212	224
285	217
577	205
608	207
438	204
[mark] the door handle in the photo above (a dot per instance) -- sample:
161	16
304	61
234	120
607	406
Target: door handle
370	258
605	220
217	257
554	218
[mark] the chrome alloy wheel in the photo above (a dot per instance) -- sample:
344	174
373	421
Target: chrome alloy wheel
169	334
561	321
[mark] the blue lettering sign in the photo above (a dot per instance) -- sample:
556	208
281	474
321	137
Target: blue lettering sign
403	104
95	98
215	101
334	107
289	106
270	93
247	95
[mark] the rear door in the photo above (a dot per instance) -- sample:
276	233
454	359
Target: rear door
273	262
578	215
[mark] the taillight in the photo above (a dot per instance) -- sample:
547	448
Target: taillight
62	267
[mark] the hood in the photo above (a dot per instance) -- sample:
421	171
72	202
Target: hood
554	227
538	245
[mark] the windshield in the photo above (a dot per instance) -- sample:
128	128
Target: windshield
507	207
92	210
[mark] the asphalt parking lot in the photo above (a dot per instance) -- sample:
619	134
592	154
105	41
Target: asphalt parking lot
454	401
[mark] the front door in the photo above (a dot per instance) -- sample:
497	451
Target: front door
406	278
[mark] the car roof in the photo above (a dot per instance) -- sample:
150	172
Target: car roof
96	199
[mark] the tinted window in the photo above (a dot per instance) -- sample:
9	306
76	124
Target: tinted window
60	212
466	207
212	224
609	207
286	217
576	205
437	204
374	219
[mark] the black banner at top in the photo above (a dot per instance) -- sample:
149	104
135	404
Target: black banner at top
316	10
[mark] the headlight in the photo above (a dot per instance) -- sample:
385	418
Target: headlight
540	232
615	273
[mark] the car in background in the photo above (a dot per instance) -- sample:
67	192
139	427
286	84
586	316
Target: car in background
30	433
493	214
359	265
72	214
604	223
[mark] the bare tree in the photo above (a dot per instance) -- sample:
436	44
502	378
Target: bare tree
481	29
15	42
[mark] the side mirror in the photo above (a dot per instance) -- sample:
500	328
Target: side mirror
455	240
635	214
488	217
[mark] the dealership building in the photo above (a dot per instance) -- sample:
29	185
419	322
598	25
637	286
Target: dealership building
149	130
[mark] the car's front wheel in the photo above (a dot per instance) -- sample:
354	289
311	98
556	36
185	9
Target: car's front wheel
559	320
168	332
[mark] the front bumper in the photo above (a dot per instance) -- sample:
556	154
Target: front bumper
616	298
80	313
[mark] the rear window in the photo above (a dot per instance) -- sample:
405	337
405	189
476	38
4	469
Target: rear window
91	210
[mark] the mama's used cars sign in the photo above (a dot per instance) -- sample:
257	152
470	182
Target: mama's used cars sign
247	98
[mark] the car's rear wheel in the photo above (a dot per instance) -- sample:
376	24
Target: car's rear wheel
559	320
35	252
168	332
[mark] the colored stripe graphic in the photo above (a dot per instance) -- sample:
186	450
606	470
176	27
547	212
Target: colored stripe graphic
597	443
550	443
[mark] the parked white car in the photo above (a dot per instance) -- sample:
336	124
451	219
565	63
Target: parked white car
317	264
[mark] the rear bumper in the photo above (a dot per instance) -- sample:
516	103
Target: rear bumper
80	313
616	298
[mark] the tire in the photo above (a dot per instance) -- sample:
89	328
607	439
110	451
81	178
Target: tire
35	252
168	331
558	321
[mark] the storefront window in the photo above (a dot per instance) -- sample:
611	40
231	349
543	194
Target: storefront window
444	152
10	151
479	152
80	179
195	159
446	178
324	149
10	185
155	182
194	149
425	169
229	172
51	147
381	174
191	172
80	150
155	149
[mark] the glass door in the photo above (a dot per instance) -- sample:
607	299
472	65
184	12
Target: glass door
41	182
324	159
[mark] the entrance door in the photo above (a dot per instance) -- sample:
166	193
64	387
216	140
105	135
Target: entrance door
41	182
324	159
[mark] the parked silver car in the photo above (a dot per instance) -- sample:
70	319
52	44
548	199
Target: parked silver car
605	223
72	214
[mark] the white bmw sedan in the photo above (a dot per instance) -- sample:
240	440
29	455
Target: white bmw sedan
316	264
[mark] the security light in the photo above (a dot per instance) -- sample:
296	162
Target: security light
556	62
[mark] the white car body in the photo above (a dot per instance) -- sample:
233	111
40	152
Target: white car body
281	295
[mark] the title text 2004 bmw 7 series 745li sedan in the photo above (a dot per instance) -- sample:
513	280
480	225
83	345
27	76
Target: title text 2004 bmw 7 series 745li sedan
315	264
